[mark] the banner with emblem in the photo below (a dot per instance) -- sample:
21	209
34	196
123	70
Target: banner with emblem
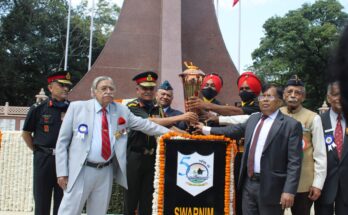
194	176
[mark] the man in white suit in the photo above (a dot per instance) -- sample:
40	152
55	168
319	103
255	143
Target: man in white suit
92	145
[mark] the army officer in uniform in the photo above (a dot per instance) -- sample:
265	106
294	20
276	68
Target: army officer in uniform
40	133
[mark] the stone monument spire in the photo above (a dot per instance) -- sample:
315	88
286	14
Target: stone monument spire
160	35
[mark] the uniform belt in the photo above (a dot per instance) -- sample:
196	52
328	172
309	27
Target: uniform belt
255	177
98	165
50	151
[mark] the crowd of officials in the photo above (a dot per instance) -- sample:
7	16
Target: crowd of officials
289	156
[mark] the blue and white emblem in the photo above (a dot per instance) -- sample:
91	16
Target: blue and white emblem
195	172
329	140
82	131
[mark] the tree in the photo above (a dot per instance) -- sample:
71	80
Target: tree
301	43
32	42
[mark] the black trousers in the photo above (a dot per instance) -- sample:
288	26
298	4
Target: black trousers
45	182
302	204
337	207
140	176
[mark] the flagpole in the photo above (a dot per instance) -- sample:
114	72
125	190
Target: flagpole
91	37
217	9
67	38
239	33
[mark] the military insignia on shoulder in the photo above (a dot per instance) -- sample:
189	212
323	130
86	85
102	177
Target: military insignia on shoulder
133	103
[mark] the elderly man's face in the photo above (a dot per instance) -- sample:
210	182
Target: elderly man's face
146	93
294	96
269	101
105	92
334	98
164	97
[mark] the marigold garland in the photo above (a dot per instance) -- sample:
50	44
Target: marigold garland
231	150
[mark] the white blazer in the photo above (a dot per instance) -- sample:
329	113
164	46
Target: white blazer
72	149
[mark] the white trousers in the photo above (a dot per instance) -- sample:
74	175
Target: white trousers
92	186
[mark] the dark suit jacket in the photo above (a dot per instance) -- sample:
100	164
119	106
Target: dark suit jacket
173	112
281	156
337	170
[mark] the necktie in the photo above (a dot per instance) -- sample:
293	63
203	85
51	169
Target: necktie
251	158
106	150
339	136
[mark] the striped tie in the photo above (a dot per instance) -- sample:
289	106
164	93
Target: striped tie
106	150
339	136
251	158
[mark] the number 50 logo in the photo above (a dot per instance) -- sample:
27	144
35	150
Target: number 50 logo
195	172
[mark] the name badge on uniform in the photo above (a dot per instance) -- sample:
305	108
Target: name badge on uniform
329	140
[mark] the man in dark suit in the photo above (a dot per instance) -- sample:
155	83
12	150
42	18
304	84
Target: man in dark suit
271	163
334	196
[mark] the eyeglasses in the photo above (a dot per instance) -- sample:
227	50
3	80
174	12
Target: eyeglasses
266	97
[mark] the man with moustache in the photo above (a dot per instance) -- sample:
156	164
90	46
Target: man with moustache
142	147
334	195
271	163
164	98
92	145
314	163
40	133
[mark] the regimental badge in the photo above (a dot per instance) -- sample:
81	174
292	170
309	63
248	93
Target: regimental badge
195	172
46	128
149	78
68	76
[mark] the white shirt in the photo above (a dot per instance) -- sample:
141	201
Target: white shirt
267	124
95	154
227	120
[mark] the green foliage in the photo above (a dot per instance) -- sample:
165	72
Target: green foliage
32	42
301	43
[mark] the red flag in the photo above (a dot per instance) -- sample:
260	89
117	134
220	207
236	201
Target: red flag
235	2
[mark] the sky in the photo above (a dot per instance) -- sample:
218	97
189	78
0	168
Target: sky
254	14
